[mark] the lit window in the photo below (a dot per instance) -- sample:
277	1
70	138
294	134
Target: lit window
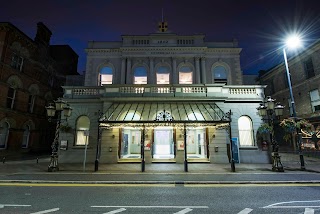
26	137
106	76
82	129
185	75
245	131
31	103
163	75
140	75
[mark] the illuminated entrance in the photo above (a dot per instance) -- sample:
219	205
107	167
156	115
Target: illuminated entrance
163	146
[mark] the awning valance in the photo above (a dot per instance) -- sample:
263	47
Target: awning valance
164	112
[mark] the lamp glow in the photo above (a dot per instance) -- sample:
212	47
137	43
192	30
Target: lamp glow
293	42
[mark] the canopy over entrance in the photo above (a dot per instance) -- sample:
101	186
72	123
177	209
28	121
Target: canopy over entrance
148	113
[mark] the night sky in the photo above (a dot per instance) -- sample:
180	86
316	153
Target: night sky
259	25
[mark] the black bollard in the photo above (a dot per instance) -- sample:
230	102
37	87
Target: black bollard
37	160
3	159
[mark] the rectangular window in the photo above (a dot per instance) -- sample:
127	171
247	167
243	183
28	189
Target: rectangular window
17	62
31	103
11	97
308	67
315	100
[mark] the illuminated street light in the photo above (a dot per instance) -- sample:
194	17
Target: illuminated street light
59	106
270	112
293	42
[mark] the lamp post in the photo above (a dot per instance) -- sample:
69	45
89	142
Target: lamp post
293	42
59	106
271	111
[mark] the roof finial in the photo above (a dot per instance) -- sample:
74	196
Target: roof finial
163	26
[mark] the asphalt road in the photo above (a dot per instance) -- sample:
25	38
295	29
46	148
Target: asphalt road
158	198
165	177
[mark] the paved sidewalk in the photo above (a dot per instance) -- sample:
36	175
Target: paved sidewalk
36	171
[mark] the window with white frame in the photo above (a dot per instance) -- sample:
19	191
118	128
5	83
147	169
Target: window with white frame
11	97
26	136
315	100
163	75
106	75
220	75
17	62
185	75
245	131
140	75
82	130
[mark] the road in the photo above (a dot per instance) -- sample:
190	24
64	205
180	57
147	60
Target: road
41	198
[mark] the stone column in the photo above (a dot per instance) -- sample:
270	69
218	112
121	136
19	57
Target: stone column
197	70
123	71
203	70
174	71
151	78
128	74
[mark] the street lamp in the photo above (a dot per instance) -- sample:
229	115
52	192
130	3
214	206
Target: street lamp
59	106
293	42
271	111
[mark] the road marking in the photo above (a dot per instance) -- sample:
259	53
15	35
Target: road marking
85	185
46	211
291	202
309	211
13	205
178	207
245	211
116	211
251	185
186	210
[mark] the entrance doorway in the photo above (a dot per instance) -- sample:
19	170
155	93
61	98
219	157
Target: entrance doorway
196	143
130	145
163	146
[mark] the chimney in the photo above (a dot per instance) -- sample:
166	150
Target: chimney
43	34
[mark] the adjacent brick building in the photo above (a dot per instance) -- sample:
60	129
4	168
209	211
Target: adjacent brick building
31	75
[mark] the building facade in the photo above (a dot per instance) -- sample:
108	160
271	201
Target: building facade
31	76
163	98
305	79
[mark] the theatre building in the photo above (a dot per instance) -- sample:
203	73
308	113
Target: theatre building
162	97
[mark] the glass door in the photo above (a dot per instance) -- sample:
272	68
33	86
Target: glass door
163	146
196	143
131	142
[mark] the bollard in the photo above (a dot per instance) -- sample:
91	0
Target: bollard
37	160
3	159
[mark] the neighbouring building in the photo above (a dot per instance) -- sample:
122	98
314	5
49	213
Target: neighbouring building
305	80
163	97
31	75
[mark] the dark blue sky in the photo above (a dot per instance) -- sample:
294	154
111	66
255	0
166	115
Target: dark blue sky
259	25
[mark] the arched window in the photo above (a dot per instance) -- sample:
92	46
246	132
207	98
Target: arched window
106	75
11	96
82	129
163	75
26	136
245	131
140	75
220	75
4	133
185	75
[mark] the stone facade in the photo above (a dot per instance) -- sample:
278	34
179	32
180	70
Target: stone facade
222	90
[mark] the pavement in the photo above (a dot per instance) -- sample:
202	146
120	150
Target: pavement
35	171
